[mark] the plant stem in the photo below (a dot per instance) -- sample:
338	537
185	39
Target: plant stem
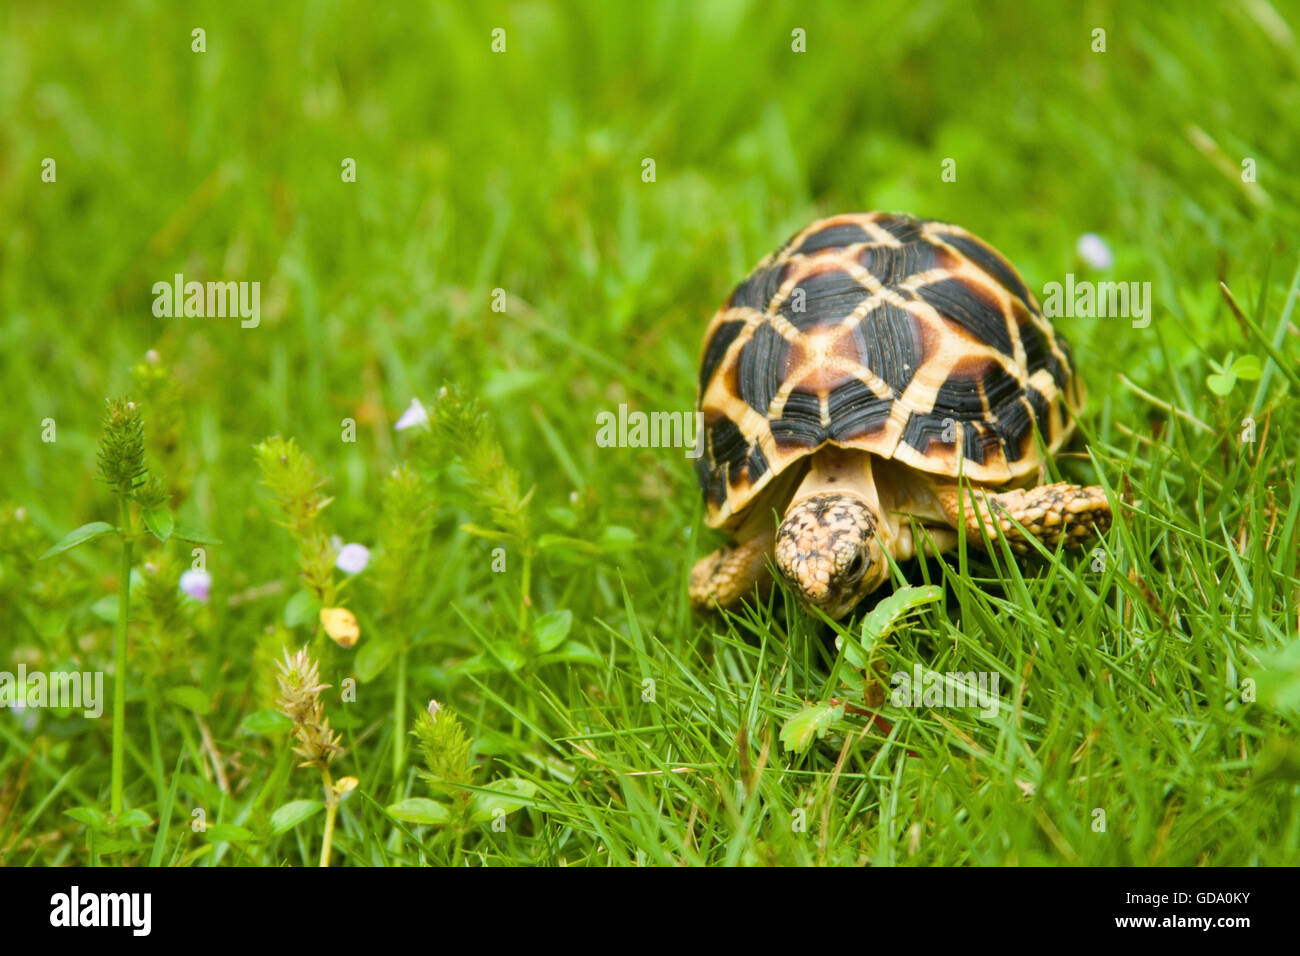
1165	406
399	714
155	748
331	808
525	588
1279	337
458	848
119	665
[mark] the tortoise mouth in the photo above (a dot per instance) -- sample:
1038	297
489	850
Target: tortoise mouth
836	602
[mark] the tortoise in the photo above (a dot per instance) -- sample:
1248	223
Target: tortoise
874	385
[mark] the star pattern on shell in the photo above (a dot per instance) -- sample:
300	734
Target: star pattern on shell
912	339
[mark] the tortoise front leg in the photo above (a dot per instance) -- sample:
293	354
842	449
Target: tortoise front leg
929	539
729	574
1050	513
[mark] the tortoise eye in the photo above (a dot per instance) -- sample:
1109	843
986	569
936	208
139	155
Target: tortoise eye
855	568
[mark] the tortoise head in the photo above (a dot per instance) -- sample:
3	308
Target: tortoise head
827	550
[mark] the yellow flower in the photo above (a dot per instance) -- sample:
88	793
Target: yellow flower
341	625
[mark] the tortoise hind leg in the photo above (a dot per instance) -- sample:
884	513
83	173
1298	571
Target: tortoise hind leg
729	574
1050	513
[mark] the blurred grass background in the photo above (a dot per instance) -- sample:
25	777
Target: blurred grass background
522	171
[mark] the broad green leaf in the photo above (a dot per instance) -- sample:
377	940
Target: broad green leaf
92	817
134	818
617	538
301	609
508	656
1248	368
373	659
419	810
265	723
551	629
192	535
227	833
886	615
799	731
854	652
191	698
853	680
507	796
293	813
79	536
1278	677
576	653
1221	383
159	521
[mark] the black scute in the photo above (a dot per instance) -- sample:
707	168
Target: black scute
757	466
902	228
1038	403
959	399
1038	354
893	264
888	340
800	423
827	298
999	387
1013	425
832	237
729	446
957	301
856	411
759	367
757	289
977	441
717	348
710	480
921	429
989	261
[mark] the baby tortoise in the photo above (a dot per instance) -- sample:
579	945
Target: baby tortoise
855	382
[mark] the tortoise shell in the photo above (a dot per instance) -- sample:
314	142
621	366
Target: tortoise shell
911	339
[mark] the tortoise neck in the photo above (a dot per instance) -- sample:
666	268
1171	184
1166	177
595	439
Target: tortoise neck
848	472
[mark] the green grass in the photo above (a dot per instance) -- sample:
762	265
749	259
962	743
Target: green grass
1162	689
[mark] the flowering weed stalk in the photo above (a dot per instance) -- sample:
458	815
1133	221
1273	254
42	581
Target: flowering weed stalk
293	480
405	524
448	765
459	430
122	468
121	465
315	742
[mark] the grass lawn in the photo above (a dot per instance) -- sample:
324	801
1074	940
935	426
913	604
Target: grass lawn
505	256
